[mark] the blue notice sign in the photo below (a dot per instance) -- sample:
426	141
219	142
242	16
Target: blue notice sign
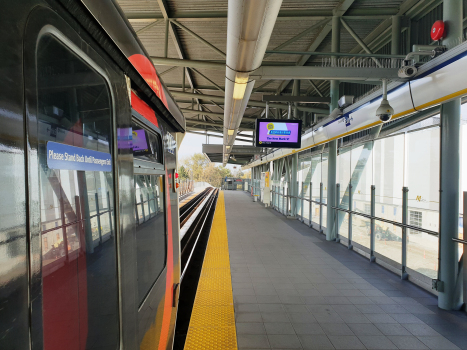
65	157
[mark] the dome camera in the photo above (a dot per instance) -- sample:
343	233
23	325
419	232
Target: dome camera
385	111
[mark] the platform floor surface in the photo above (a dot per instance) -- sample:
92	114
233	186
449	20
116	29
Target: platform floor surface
294	290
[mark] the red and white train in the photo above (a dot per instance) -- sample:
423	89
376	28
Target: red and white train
89	221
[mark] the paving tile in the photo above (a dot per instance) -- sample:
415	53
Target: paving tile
275	317
406	318
268	299
336	329
307	328
291	308
408	342
291	299
316	342
250	328
370	309
364	329
377	342
346	342
243	291
279	328
284	341
419	329
252	341
346	309
354	318
245	299
248	317
246	307
328	317
381	318
271	307
301	317
437	343
392	329
265	291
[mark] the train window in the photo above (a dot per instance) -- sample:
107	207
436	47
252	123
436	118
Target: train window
150	231
147	145
79	267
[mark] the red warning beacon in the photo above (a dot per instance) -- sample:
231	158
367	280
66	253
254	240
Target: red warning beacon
437	30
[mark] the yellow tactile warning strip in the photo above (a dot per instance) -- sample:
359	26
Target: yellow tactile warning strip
186	200
212	323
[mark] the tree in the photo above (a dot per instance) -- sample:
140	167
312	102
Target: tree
183	173
205	171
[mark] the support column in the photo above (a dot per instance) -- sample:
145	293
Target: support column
396	37
450	293
332	158
294	185
296	92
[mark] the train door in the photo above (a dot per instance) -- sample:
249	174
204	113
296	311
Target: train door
70	96
150	229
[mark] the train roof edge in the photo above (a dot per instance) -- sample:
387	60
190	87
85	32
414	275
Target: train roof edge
122	44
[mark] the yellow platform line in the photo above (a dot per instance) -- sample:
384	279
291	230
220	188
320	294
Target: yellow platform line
212	323
186	200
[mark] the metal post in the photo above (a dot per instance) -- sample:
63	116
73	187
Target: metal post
166	39
183	79
296	92
405	212
303	195
449	294
267	110
464	252
336	213
350	245
110	214
289	111
395	37
372	223
283	199
309	207
99	218
332	157
294	188
321	207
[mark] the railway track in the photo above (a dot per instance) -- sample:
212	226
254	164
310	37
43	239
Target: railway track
195	225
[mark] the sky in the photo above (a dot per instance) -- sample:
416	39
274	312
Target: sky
192	143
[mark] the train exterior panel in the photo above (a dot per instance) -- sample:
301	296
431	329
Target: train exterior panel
89	225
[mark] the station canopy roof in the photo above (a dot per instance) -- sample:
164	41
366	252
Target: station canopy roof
197	34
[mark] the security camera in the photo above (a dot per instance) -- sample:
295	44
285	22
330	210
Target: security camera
407	71
384	111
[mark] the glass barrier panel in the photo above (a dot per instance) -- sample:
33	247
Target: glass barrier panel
361	228
388	240
343	224
422	253
324	179
389	177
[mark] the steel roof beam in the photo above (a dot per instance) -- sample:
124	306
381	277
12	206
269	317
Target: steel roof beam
250	102
324	73
338	11
283	14
218	125
298	99
213	135
205	42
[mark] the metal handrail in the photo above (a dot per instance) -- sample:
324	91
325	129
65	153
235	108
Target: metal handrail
434	233
459	240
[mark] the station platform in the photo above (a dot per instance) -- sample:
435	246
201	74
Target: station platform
294	290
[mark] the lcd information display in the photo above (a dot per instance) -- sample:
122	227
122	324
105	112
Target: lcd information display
141	146
277	133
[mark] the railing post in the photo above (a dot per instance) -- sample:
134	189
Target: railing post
336	213
309	206
405	212
283	199
287	202
99	218
320	207
110	214
303	195
372	224
350	245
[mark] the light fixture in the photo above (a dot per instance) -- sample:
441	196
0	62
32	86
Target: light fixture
228	147
241	80
230	132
